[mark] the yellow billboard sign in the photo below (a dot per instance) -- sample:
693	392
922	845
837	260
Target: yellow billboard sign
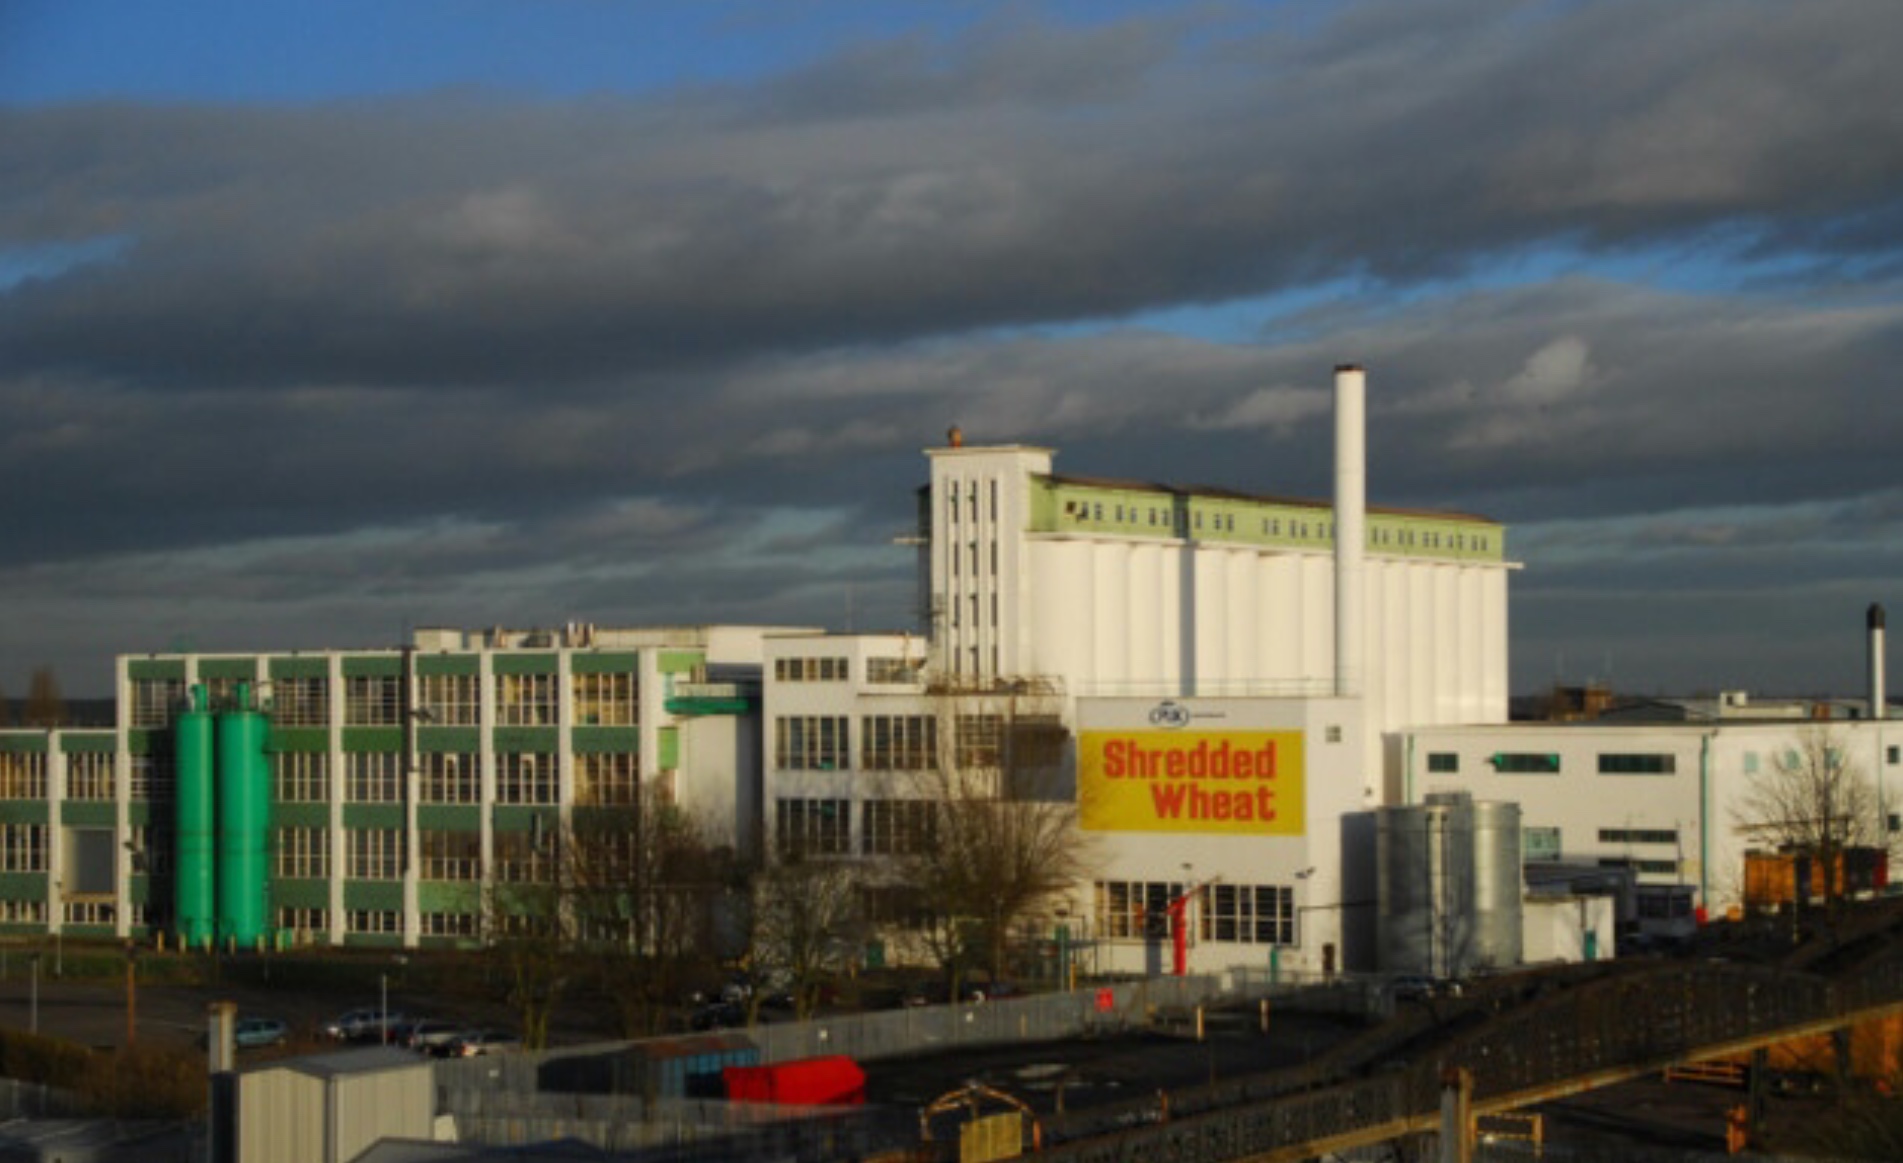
1231	782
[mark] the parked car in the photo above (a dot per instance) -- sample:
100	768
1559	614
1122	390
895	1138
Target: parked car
365	1025
476	1043
426	1035
251	1032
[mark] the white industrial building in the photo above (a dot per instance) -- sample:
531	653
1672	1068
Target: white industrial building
1665	800
1164	626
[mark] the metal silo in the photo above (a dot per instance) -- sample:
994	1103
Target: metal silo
194	897
1498	890
1448	873
244	821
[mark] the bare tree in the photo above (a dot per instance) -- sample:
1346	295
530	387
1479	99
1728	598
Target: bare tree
807	925
44	706
621	899
1813	801
1000	844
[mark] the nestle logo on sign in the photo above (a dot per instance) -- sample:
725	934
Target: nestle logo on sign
1168	714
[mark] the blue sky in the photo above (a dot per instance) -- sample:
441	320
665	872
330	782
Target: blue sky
319	322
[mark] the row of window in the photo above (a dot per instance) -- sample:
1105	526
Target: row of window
811	670
454	700
955	491
1249	914
1158	517
378	854
1548	763
910	742
823	827
1614	763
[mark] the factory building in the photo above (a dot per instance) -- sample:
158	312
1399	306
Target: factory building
1228	687
379	792
1226	669
1671	802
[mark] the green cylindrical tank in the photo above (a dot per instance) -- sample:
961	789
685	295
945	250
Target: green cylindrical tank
194	896
244	823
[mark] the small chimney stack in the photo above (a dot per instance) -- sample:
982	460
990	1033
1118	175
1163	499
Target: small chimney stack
1351	506
1878	699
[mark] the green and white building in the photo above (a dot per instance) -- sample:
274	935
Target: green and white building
400	781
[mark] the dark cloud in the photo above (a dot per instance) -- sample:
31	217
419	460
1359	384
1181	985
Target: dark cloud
475	356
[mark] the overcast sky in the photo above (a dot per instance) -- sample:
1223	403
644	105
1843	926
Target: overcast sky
319	322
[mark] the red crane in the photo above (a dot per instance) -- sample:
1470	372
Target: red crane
1178	913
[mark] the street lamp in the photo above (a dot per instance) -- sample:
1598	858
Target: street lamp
33	1012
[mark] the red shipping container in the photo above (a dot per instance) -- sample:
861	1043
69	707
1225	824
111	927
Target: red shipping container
834	1080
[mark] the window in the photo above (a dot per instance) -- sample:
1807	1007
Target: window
979	742
810	743
89	775
605	700
1643	867
1443	762
895	671
1133	910
373	921
1750	763
88	912
302	853
1893	754
450	777
1332	733
821	669
22	912
451	700
151	778
451	855
22	847
525	700
1665	906
524	858
898	742
1526	763
813	827
898	827
525	778
1650	764
373	700
22	776
375	853
301	702
301	777
304	923
1539	843
450	924
607	780
1638	836
1250	914
155	699
374	777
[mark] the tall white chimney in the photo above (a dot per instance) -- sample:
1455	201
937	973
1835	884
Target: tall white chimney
1351	504
1878	706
